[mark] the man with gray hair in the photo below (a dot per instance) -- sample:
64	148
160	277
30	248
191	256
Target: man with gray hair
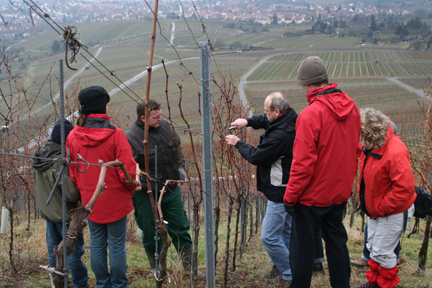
273	158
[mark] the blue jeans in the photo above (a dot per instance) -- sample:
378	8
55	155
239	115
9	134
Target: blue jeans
113	234
319	249
275	236
54	235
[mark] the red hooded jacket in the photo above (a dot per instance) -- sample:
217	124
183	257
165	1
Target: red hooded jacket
101	140
326	149
389	181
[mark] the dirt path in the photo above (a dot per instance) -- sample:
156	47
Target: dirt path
419	92
243	81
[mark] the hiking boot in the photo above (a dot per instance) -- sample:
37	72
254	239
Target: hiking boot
186	257
366	285
274	272
152	261
360	262
318	268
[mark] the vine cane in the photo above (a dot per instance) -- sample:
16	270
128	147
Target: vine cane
78	223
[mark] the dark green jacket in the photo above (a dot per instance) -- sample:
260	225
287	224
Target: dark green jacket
45	173
168	156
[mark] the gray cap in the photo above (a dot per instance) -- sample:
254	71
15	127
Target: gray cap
312	70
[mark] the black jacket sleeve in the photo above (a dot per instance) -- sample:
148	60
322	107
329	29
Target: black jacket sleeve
258	122
266	153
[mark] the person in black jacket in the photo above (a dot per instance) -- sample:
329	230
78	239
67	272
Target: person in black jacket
273	158
169	167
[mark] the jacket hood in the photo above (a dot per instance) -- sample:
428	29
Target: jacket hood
91	136
49	150
339	104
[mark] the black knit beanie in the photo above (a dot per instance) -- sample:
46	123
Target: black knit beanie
56	131
93	100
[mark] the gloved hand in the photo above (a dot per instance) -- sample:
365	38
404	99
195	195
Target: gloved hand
290	210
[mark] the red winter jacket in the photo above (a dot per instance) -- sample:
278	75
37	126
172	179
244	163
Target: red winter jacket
326	149
389	181
100	140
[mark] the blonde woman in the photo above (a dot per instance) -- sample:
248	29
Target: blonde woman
386	195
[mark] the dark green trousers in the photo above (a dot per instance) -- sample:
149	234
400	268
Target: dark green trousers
172	211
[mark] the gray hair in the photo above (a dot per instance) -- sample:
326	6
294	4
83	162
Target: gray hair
278	101
374	126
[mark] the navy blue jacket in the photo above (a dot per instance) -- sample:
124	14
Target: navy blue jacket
273	155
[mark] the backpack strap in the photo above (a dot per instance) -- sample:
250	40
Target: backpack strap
367	152
415	227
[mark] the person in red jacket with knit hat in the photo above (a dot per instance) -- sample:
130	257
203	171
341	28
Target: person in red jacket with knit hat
387	195
94	138
326	148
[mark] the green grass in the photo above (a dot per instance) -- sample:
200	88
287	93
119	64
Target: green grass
250	271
